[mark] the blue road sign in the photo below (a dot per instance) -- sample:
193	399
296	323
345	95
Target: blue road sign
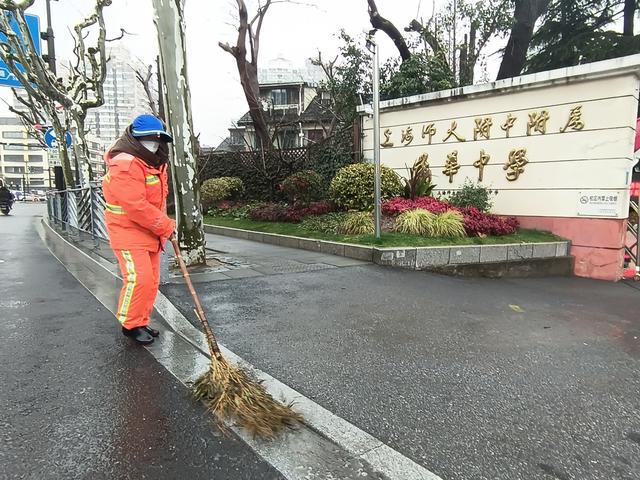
51	140
7	78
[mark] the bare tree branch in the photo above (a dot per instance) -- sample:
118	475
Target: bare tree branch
145	80
123	32
80	92
381	23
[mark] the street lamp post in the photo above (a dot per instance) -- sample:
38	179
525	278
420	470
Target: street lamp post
372	46
48	36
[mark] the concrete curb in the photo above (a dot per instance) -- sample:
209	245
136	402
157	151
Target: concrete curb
413	258
324	433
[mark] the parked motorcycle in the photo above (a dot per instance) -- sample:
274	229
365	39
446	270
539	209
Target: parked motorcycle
5	207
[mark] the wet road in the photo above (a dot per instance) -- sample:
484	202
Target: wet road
472	378
77	399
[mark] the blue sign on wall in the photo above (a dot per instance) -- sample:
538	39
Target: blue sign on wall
7	78
51	140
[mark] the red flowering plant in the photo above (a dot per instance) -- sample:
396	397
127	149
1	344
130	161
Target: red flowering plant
278	212
398	205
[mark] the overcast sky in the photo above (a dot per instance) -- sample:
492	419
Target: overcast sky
294	31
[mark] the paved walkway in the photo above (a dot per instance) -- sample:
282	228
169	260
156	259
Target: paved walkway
78	400
232	258
471	378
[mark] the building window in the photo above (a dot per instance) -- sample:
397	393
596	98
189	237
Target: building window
36	170
14	147
236	137
14	169
279	96
36	147
12	135
35	158
315	135
289	139
14	158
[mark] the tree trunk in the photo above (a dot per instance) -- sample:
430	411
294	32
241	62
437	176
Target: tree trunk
81	150
629	17
169	20
63	151
515	54
472	58
251	88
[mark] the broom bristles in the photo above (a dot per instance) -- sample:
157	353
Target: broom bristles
230	394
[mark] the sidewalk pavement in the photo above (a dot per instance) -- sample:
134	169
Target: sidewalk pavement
78	400
232	258
471	378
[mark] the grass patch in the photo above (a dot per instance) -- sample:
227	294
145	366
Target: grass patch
387	240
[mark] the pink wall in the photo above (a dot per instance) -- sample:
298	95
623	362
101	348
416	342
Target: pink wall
596	243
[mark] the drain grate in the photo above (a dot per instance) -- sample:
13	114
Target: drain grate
299	267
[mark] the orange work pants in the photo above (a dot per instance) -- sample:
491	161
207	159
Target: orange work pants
140	281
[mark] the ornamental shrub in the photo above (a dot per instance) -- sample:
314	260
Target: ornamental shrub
448	224
357	223
302	188
415	222
329	223
215	190
472	195
352	187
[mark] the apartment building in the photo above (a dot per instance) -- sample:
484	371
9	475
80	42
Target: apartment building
24	163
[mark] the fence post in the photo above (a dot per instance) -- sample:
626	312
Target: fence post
50	208
92	205
62	203
72	211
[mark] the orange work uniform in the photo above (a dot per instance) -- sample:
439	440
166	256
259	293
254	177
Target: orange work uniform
135	194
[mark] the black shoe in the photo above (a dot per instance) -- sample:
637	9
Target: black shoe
140	335
151	331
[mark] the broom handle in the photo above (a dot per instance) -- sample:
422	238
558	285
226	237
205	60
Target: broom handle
211	339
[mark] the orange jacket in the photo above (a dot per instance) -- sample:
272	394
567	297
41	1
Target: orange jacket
135	194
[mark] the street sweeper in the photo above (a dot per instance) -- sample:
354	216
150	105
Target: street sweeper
135	190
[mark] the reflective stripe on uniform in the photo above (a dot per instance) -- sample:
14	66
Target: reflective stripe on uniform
131	284
107	178
152	180
115	209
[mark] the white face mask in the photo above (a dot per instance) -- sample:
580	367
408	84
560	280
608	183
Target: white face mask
150	145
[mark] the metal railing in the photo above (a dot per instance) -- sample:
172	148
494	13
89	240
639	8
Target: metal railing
79	210
632	247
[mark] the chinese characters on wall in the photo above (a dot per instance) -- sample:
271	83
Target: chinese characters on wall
514	166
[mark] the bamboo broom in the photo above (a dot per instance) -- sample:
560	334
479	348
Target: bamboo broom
228	391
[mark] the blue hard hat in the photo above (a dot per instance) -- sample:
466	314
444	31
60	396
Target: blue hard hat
149	126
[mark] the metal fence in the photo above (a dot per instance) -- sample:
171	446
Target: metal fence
79	210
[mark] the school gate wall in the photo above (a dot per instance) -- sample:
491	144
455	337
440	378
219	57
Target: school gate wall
557	148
